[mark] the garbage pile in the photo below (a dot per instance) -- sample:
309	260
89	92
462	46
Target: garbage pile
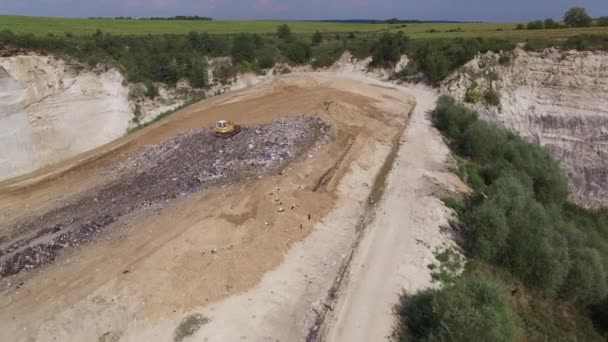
184	164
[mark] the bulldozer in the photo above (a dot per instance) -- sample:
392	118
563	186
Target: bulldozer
226	129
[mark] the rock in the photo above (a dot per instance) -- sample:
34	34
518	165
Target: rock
556	99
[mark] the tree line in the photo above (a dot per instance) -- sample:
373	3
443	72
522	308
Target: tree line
575	17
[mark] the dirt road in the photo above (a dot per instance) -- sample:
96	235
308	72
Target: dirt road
399	243
199	264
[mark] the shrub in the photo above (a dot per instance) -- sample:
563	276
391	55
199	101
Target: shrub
388	48
317	38
586	282
492	98
489	231
504	59
520	27
284	32
325	56
602	21
297	52
577	17
536	25
469	310
535	253
243	48
266	57
197	74
472	95
151	90
551	24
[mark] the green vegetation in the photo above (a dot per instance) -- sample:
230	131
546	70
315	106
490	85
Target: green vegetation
492	98
189	326
317	38
577	17
389	48
535	25
468	310
193	99
472	95
522	234
416	30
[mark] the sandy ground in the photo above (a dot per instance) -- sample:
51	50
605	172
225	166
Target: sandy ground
400	242
205	257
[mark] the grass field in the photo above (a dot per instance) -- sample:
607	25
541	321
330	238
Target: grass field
44	25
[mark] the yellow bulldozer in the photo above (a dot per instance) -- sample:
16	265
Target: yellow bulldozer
226	129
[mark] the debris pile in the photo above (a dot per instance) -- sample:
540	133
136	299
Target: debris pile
183	164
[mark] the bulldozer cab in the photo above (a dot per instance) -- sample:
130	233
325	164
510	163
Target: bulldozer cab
226	129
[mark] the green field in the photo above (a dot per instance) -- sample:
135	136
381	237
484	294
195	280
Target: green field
44	25
59	26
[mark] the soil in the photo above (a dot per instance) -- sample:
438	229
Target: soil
168	249
187	163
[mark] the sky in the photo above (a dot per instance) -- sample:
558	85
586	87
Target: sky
464	10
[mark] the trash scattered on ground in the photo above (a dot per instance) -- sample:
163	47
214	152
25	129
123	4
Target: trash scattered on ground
184	164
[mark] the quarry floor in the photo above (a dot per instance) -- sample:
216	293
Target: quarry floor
316	248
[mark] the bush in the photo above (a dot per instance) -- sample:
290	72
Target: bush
325	56
551	24
266	57
586	282
520	27
504	59
317	38
284	32
389	48
536	25
297	52
197	74
577	17
469	310
243	48
602	21
151	90
472	95
487	225
437	66
492	98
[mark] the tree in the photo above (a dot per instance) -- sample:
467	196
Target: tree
489	231
297	52
470	310
243	48
389	48
284	32
586	281
266	57
551	24
317	38
602	21
536	25
577	17
197	75
520	27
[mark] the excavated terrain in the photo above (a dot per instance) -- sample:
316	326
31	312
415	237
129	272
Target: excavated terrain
187	163
126	241
558	99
